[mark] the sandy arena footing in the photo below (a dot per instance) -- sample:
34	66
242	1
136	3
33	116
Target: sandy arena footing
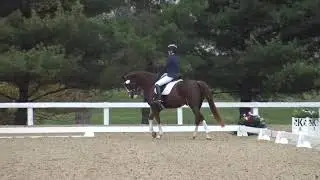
121	156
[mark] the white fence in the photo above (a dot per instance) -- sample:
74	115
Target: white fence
106	106
264	134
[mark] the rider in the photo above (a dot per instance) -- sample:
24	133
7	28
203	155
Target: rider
170	71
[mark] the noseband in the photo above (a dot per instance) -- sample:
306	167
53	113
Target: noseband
131	90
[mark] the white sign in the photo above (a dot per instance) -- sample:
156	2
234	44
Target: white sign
310	126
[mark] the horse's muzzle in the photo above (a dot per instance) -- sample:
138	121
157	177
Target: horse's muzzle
132	95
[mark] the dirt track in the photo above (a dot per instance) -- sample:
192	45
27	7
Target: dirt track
137	156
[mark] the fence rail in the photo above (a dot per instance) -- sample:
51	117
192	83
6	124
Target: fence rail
106	106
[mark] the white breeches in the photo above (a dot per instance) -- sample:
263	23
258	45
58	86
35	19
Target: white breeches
163	80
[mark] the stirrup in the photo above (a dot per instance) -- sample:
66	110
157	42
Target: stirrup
158	102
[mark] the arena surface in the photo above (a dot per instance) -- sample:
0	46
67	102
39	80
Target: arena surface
121	156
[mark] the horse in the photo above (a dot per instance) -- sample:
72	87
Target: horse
177	93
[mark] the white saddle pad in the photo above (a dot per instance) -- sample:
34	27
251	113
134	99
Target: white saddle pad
168	87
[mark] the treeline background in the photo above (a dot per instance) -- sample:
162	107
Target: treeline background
67	50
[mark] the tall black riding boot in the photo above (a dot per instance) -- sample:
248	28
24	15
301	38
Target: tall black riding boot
158	97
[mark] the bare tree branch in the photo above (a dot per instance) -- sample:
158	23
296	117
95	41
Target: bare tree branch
7	96
47	93
39	84
35	89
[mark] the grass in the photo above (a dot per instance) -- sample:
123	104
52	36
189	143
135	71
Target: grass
281	116
133	116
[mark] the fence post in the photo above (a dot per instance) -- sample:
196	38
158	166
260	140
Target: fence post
180	116
30	116
106	116
255	111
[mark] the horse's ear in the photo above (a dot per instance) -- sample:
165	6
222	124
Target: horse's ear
124	76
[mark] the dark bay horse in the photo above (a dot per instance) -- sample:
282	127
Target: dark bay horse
176	94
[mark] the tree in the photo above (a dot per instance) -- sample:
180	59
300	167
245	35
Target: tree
266	45
276	26
66	49
279	67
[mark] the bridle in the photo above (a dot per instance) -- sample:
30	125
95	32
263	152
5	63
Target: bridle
131	91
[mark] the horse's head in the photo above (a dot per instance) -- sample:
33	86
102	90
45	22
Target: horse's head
135	82
131	86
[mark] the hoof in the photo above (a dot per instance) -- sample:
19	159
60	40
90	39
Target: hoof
193	137
154	134
208	138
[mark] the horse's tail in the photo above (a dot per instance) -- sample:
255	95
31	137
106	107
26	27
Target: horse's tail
206	92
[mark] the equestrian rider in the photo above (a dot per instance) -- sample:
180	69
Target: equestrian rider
170	71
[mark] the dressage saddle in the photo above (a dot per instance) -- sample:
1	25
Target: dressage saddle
179	76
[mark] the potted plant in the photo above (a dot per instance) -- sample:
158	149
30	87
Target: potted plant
304	113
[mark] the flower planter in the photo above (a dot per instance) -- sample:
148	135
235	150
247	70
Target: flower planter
252	120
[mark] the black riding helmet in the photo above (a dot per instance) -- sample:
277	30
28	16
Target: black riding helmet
172	49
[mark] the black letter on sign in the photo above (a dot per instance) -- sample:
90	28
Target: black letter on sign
312	122
298	122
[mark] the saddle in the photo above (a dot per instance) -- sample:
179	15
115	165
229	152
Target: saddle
162	88
164	91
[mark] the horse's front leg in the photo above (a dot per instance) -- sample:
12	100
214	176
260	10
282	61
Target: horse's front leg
157	118
151	117
195	130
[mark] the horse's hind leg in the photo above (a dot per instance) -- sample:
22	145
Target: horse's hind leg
197	115
199	118
204	123
205	126
196	109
